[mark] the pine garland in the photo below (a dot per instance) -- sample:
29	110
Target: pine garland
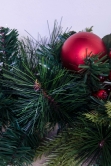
37	92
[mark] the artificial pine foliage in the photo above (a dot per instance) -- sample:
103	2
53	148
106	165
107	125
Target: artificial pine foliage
8	46
84	144
17	146
8	56
37	92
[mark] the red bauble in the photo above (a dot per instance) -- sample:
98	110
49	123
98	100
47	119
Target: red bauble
78	46
102	78
102	94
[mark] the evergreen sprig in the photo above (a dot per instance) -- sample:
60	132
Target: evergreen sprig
17	147
50	96
101	117
8	46
85	144
8	55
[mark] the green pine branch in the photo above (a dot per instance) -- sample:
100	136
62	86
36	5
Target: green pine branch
14	152
28	53
17	147
49	100
89	29
8	46
94	67
100	117
84	144
8	55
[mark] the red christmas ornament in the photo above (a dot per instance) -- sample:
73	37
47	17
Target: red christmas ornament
102	94
78	46
102	78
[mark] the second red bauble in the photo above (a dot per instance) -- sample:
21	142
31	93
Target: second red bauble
74	49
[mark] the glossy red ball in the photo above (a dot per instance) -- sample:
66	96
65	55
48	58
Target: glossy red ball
78	46
102	78
102	94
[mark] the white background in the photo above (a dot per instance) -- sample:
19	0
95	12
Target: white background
32	15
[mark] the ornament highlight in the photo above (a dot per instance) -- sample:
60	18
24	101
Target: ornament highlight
78	46
102	78
108	88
